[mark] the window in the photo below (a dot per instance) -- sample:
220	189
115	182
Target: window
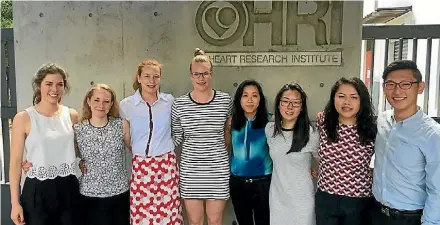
397	49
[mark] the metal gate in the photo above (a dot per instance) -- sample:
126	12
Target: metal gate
8	111
401	42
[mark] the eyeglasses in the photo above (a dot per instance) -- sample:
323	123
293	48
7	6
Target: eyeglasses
404	85
196	75
295	103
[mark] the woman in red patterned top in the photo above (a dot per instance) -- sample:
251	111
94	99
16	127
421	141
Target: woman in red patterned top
347	131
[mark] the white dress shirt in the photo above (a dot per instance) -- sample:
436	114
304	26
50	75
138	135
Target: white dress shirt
137	112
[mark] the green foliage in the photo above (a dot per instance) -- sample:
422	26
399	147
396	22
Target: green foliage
6	16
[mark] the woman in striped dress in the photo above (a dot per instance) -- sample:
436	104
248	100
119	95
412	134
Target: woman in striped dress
198	124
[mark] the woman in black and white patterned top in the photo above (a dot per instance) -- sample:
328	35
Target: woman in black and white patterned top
198	123
100	138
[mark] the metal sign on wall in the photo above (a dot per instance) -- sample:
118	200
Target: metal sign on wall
223	23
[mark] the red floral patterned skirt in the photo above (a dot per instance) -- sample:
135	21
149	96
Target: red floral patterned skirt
154	191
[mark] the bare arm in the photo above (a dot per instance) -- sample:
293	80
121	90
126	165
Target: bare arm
73	116
77	153
228	132
126	133
20	127
74	119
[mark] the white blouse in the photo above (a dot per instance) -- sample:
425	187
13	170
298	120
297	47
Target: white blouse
50	145
150	126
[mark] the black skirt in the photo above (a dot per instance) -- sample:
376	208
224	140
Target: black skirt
114	210
51	201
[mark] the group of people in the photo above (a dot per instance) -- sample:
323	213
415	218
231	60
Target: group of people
230	148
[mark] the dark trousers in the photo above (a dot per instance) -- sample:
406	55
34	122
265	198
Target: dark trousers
342	210
114	210
51	201
386	216
250	199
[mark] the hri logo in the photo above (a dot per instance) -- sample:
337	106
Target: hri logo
223	23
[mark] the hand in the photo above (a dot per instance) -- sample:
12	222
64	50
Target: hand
315	173
17	214
82	166
26	165
320	116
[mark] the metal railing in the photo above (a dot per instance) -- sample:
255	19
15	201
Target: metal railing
396	36
8	111
8	95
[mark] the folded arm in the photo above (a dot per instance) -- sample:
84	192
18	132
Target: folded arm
431	211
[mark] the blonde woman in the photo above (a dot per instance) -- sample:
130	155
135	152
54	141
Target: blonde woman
99	138
154	190
198	124
44	130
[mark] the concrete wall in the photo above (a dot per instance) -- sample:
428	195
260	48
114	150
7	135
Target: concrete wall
104	42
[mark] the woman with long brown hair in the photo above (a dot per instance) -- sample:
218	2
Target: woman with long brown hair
43	132
154	190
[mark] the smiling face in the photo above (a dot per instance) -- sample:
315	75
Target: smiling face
52	88
201	76
150	79
347	102
290	105
250	99
402	97
100	103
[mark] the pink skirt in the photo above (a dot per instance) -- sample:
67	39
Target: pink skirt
154	191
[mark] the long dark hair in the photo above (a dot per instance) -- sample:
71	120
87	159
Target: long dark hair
366	122
301	130
238	117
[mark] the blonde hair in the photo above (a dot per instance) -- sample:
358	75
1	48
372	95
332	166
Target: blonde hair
200	57
43	71
87	112
148	62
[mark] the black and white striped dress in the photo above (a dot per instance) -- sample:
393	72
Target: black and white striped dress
200	128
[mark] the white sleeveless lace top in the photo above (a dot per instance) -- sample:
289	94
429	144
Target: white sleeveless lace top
50	145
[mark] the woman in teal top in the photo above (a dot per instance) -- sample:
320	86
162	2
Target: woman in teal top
251	165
